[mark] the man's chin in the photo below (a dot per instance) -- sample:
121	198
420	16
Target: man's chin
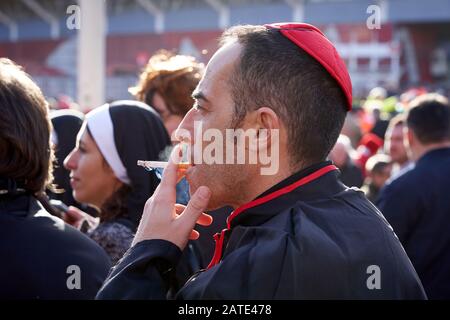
195	179
213	204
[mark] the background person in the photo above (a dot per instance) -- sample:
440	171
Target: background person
104	172
396	148
416	204
342	156
66	124
166	84
37	249
378	169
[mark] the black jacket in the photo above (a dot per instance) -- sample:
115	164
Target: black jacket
309	237
37	250
417	205
351	175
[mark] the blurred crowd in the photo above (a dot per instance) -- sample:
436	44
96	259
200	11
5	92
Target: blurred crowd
396	148
371	148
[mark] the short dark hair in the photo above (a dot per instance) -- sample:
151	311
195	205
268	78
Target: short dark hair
274	72
25	152
429	118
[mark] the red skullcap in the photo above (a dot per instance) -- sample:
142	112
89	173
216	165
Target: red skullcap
314	42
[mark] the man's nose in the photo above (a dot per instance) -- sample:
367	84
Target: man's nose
70	162
185	130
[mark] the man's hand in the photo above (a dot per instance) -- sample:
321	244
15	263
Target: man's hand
163	219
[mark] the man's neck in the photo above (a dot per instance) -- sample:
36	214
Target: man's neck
261	183
403	164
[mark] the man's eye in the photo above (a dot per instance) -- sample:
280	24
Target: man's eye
198	107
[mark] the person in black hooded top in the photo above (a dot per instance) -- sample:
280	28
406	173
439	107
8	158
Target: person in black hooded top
41	256
66	124
104	172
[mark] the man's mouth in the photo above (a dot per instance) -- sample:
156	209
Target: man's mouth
189	170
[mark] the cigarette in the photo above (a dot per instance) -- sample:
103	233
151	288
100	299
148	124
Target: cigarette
149	165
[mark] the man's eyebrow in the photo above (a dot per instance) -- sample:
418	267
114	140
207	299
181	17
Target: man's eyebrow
197	95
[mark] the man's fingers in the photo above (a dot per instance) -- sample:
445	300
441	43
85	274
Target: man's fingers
204	219
194	235
196	206
179	208
166	188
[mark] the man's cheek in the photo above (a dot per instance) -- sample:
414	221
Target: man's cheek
190	182
195	179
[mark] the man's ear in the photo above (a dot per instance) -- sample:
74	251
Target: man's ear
411	139
267	118
268	128
267	123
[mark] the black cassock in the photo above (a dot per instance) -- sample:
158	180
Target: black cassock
308	237
41	256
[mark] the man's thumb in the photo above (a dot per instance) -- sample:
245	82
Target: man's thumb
197	204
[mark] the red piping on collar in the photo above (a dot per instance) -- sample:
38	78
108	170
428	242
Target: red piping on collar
280	192
219	238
